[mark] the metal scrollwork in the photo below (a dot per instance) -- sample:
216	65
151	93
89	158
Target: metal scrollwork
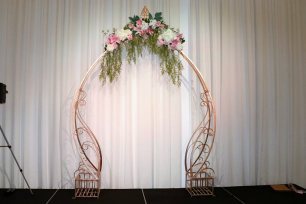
199	174
88	174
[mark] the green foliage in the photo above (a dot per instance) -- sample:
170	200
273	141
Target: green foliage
169	59
134	49
134	19
111	65
158	16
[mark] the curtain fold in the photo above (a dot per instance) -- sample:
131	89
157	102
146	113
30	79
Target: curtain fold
250	52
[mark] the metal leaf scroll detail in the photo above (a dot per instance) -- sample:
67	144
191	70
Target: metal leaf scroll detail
199	174
88	174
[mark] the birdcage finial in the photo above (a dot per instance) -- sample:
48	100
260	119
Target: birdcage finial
145	13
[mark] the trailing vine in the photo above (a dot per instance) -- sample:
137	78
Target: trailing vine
146	32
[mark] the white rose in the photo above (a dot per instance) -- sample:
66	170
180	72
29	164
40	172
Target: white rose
123	34
153	23
111	47
168	35
144	26
127	32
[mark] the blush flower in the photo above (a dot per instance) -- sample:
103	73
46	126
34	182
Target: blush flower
158	24
113	39
160	42
145	29
139	23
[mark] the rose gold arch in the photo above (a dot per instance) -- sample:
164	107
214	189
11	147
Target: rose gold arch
199	174
88	175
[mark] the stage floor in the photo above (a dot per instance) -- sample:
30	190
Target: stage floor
228	195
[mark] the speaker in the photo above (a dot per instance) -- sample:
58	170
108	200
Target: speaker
3	93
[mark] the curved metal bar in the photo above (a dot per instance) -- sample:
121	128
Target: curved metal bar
206	92
77	117
89	173
199	178
197	150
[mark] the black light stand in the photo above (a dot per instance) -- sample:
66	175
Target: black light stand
3	93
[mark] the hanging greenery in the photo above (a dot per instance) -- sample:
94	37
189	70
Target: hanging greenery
146	32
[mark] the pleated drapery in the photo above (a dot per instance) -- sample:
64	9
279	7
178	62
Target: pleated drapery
251	53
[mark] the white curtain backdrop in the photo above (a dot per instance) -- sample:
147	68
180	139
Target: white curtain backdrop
137	120
252	54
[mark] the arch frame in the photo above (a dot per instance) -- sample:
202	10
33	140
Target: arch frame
198	173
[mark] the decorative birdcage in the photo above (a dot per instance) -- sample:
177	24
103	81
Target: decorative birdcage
86	185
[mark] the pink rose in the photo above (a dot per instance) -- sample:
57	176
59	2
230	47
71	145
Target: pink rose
137	29
179	36
158	24
113	39
162	26
150	31
174	43
139	23
160	42
142	32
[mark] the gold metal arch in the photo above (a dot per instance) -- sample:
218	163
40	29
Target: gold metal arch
199	174
88	174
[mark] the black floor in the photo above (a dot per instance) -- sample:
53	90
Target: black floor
228	195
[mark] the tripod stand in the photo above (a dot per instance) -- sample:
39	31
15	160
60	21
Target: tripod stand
10	148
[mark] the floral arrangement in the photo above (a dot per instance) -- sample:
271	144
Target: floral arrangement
146	32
